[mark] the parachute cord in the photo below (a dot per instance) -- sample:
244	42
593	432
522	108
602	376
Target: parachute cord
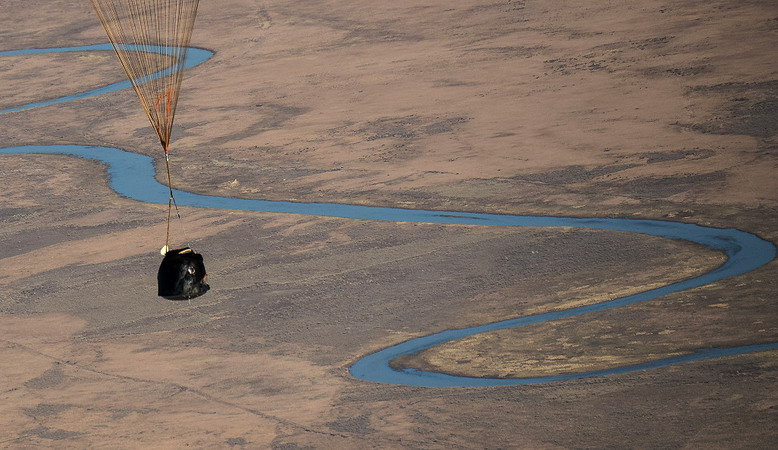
171	203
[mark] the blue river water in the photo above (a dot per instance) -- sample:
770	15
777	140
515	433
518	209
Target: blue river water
133	176
195	56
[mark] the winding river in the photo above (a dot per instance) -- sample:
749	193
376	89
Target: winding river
133	176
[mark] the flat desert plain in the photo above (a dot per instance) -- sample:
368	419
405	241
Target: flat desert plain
632	109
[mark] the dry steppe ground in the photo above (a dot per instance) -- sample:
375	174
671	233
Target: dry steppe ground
638	109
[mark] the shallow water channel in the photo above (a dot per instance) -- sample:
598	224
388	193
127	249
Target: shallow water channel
133	176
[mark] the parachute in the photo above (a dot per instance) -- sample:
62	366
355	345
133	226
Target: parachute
139	31
151	39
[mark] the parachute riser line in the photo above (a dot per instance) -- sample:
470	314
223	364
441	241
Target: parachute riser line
165	128
171	204
138	31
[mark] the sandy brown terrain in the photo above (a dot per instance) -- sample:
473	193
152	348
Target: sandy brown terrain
651	109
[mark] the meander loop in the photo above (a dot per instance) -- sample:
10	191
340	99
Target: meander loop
745	251
133	176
